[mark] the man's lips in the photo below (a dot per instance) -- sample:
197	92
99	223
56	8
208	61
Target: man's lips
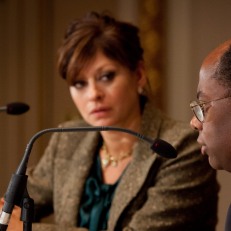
203	149
203	146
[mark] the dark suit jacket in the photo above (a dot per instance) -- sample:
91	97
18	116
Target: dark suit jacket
228	220
154	193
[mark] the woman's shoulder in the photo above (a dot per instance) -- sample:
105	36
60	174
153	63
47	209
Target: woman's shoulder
74	132
67	141
169	128
180	135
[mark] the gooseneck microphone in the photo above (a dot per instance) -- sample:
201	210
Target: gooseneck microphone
15	108
17	191
159	146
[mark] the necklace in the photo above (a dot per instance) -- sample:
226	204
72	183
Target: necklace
108	159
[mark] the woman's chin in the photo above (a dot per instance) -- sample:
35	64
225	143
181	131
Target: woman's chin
101	123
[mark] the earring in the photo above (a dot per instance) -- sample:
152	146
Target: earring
140	90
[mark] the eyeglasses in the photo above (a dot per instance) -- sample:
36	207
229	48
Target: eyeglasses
199	110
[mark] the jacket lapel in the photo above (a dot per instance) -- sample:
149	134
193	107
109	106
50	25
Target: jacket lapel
136	173
127	190
131	182
77	173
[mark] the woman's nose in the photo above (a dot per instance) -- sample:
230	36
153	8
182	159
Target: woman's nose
94	92
195	123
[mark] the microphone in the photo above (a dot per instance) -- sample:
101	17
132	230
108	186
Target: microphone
15	108
17	186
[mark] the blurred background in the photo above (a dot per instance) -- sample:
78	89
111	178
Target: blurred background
176	36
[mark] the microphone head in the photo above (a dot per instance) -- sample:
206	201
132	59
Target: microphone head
164	149
16	108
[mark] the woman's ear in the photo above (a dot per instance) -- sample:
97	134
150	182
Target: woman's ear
141	77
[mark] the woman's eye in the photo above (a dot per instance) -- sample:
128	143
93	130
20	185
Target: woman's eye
109	76
79	84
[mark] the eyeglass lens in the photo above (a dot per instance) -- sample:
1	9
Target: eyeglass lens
198	113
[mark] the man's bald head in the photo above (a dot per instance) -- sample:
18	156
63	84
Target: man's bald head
218	62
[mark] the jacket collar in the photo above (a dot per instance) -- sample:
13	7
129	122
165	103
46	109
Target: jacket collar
139	168
126	190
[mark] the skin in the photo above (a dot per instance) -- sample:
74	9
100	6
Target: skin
215	131
15	223
106	94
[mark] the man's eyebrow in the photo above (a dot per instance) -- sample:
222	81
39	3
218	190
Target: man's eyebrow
200	94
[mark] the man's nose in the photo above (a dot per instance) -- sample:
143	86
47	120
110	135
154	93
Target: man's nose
195	123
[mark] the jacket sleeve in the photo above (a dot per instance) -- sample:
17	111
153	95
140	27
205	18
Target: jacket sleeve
40	181
42	187
183	195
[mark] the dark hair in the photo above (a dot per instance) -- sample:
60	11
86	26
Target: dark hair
223	71
85	36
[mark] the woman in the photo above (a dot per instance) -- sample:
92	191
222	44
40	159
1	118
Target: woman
111	180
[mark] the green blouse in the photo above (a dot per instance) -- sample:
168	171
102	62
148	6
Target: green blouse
96	200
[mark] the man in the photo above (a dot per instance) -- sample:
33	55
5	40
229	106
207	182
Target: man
212	110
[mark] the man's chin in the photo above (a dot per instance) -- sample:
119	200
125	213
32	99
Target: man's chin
214	164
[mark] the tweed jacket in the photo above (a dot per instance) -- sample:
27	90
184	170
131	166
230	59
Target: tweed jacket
154	193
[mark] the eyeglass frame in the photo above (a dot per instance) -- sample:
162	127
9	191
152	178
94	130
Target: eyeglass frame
200	104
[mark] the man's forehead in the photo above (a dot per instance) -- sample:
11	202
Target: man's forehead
215	55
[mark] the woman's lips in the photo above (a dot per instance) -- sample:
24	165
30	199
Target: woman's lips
99	111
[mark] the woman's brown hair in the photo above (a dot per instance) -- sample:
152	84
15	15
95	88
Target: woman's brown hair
85	36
